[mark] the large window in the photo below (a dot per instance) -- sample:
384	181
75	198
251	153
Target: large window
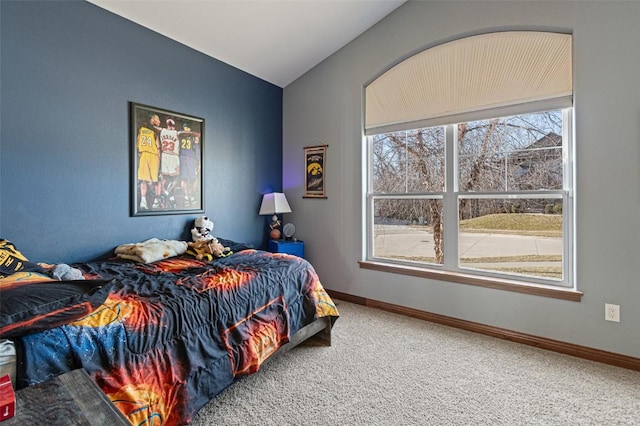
470	160
490	197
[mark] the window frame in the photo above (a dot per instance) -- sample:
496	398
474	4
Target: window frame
450	270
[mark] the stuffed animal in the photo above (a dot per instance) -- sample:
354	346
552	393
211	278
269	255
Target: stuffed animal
208	249
202	228
64	272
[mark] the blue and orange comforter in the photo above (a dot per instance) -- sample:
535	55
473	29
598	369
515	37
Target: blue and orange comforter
173	334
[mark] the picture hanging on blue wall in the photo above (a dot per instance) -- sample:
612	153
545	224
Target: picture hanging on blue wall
166	162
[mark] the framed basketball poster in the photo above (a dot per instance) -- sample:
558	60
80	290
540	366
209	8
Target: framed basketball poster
314	177
166	162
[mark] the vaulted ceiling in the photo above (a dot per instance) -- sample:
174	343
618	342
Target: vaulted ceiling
275	40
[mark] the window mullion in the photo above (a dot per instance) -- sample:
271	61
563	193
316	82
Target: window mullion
450	214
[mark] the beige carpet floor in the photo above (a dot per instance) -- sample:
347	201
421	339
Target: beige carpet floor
387	369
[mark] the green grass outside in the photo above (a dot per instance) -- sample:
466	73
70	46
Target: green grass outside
541	225
544	225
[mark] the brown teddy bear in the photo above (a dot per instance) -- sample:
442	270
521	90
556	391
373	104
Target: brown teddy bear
208	249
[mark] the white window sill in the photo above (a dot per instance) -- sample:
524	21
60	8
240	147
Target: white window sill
488	282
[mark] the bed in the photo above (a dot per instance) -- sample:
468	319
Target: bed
162	338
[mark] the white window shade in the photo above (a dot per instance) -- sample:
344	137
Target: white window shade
475	77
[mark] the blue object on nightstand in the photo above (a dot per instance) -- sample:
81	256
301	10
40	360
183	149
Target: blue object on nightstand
295	248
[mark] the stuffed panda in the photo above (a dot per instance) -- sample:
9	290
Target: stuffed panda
202	228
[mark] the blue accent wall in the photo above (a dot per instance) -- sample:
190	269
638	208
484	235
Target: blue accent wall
68	72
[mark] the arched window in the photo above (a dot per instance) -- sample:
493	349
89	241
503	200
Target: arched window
470	160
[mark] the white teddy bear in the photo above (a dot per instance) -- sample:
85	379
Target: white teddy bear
202	228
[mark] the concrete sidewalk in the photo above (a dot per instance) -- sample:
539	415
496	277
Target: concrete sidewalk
404	240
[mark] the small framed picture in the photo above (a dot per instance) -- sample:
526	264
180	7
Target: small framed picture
166	162
314	177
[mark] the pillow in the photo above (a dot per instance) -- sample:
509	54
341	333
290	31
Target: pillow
31	307
12	261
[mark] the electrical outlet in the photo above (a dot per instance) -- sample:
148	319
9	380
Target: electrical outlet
612	312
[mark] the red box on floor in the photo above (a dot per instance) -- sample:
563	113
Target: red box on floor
7	398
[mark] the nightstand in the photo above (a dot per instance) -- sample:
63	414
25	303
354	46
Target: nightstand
286	246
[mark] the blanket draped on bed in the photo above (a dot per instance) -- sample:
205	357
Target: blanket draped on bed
173	334
151	250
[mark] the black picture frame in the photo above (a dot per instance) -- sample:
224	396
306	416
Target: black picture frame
167	170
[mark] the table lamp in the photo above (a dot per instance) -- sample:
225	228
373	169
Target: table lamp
274	203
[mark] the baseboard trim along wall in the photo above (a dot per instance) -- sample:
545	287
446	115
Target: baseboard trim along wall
578	351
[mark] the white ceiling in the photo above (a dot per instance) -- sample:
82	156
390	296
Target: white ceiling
275	40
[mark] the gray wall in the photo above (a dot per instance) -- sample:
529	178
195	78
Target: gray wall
325	106
69	70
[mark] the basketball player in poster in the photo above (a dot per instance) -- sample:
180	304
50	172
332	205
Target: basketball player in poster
169	161
148	160
189	164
